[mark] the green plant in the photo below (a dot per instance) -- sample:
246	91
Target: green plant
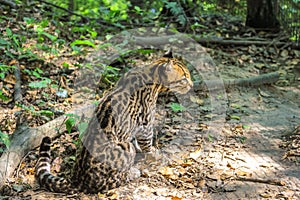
36	72
114	10
42	35
177	10
3	97
110	75
210	137
5	69
4	138
83	42
71	122
44	83
12	45
176	107
242	139
45	113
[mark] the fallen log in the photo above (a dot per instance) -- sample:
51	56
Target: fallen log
25	139
164	40
253	81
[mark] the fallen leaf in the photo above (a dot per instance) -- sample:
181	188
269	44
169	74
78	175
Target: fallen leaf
196	100
242	173
181	171
265	195
230	166
196	154
10	78
12	62
175	198
166	171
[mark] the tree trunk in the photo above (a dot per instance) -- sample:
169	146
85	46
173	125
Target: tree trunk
71	5
261	14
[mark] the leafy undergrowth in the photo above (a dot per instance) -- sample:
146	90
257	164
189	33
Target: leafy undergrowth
50	56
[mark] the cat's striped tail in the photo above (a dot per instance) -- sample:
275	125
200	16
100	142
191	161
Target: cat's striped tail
42	171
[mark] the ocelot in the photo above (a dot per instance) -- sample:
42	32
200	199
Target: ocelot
121	126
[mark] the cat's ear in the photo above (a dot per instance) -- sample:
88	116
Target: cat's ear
168	54
169	66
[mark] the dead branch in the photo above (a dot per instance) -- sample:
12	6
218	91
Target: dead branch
163	40
64	9
25	139
258	180
254	81
221	41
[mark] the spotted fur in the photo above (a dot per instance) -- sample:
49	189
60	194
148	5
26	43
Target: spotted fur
121	126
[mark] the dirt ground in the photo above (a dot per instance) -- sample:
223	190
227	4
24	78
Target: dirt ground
246	153
235	163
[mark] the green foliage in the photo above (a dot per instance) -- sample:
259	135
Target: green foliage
83	42
246	127
110	75
3	97
72	120
176	107
242	139
70	123
43	113
42	35
85	30
177	11
4	138
44	83
117	10
210	137
11	43
5	69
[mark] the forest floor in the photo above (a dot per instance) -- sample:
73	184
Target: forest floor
249	150
253	154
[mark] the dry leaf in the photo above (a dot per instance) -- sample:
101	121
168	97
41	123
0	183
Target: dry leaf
181	170
12	62
196	154
10	78
226	176
166	171
196	100
265	195
230	166
266	165
242	173
175	198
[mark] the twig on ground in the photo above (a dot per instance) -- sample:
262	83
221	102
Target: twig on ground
258	180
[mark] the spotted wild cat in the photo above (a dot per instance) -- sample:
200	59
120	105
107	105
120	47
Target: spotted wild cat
121	126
